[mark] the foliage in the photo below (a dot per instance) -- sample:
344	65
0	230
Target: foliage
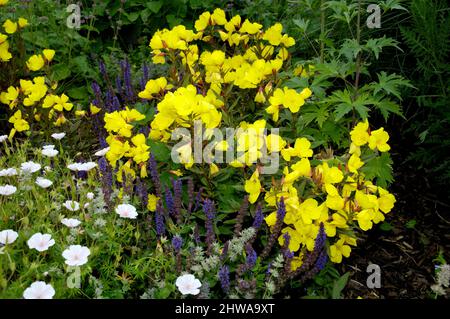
147	210
427	36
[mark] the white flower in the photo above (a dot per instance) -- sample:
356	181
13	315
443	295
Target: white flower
40	242
72	205
43	182
86	205
126	211
70	222
58	136
3	138
102	152
8	236
8	172
48	146
7	190
30	167
90	196
76	255
39	290
49	152
188	285
82	167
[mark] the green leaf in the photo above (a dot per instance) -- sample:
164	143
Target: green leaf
132	16
159	150
344	103
78	93
411	224
386	227
380	168
387	106
390	84
339	285
155	6
376	45
81	64
60	72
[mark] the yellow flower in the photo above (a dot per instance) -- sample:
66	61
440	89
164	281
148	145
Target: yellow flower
154	87
294	239
139	152
203	21
20	124
218	17
365	218
22	23
48	54
61	103
271	219
273	34
11	96
10	27
386	200
354	163
117	149
359	134
330	175
253	187
152	201
5	55
3	2
302	148
35	63
309	210
275	143
378	139
213	169
338	250
299	169
94	110
250	28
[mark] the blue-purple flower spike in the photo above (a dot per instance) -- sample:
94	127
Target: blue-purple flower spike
224	277
208	209
251	256
259	218
177	242
159	219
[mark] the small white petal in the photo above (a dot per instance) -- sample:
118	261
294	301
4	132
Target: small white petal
58	136
8	236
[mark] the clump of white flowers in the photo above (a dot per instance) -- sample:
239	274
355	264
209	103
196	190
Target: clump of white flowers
442	280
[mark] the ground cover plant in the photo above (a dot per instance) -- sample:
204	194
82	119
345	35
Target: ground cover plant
216	156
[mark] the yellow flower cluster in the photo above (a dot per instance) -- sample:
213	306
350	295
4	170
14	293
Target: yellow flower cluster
34	100
335	194
182	108
124	144
258	57
10	28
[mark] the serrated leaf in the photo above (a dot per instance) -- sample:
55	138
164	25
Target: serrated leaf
376	45
380	168
387	106
390	84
